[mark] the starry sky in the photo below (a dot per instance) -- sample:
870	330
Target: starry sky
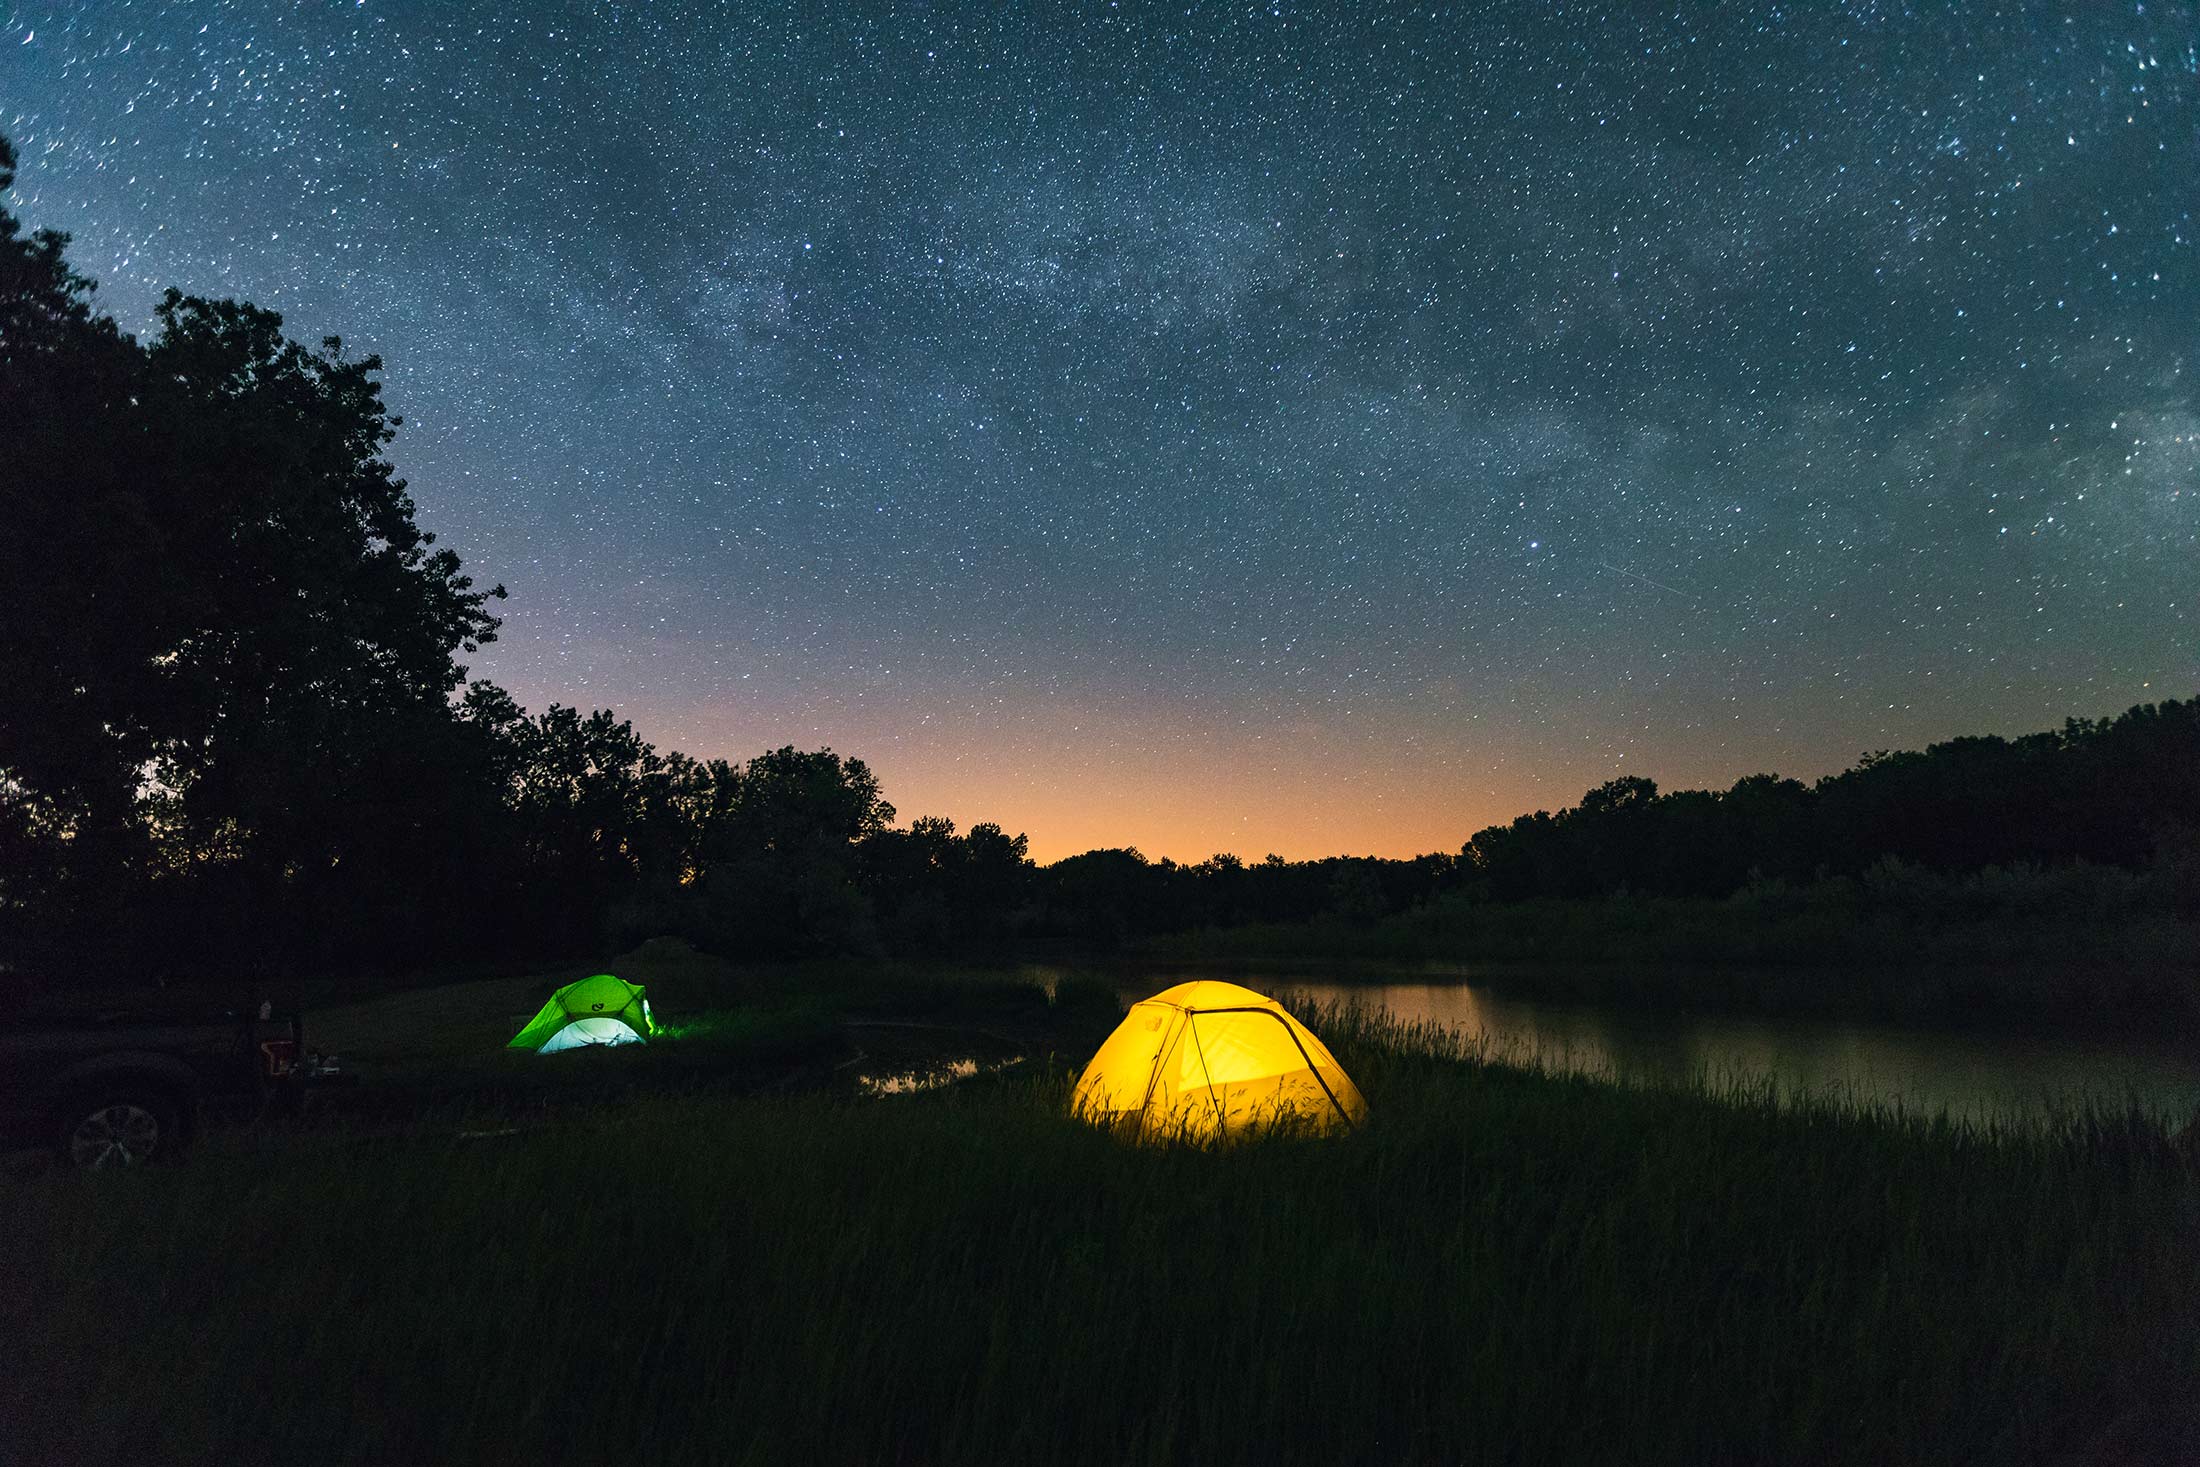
1229	428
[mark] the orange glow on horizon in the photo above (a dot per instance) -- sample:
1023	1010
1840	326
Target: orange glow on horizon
1189	816
1182	777
1173	781
1185	783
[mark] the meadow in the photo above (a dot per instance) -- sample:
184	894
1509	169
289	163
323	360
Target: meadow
1504	1265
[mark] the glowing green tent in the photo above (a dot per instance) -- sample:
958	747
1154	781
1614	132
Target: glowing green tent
598	1010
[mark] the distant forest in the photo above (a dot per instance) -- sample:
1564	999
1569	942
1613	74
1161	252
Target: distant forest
235	735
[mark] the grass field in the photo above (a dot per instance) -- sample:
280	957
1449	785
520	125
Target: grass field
1504	1266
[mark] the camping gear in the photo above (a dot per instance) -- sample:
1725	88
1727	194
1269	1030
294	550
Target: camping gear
1204	1061
598	1010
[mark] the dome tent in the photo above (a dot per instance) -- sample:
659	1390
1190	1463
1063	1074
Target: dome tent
598	1010
1203	1061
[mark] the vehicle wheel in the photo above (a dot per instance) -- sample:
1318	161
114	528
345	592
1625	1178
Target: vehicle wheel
109	1132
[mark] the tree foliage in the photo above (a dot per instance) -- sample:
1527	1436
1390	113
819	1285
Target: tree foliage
2111	792
229	647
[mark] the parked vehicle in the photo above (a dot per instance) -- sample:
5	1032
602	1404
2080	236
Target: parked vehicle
127	1088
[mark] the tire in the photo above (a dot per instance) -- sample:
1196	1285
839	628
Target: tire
116	1130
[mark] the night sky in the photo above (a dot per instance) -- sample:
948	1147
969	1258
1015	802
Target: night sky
1257	429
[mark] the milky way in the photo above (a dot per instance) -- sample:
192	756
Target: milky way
1257	429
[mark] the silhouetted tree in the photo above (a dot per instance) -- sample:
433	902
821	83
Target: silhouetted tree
1102	897
83	625
223	616
780	876
993	886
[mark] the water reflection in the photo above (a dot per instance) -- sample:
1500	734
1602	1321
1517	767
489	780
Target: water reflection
1969	1075
936	1076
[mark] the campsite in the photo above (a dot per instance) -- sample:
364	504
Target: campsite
717	1245
1334	732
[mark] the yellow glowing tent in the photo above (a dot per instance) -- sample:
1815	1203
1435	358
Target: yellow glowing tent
1206	1060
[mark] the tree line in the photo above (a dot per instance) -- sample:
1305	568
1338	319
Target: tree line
2118	792
235	732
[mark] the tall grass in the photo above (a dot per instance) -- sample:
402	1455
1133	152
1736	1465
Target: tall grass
1503	1266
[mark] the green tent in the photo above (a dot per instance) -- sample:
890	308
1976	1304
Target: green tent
598	1010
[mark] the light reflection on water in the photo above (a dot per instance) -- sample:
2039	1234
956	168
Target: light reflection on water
905	1082
929	1077
1971	1075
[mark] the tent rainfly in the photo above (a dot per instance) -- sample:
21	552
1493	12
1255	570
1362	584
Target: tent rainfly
1204	1061
598	1010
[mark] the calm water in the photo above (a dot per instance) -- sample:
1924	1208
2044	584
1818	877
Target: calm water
1972	1075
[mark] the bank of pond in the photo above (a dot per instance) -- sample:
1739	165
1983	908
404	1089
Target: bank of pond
1502	1263
2080	946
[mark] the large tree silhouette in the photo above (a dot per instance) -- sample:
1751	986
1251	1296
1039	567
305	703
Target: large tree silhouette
84	624
229	645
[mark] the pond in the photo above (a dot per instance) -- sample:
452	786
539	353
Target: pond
1969	1074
